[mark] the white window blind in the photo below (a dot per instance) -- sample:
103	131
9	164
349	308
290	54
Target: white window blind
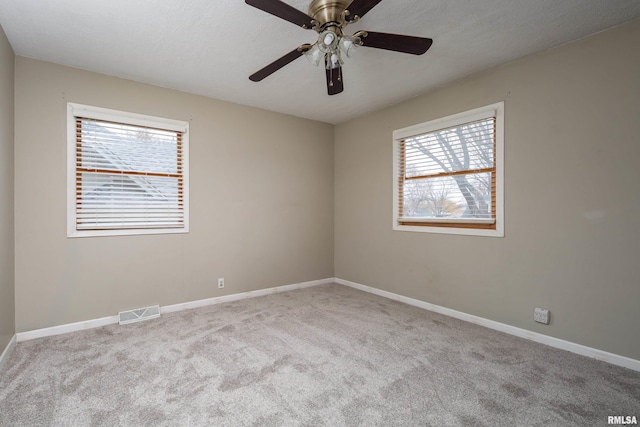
127	176
449	173
446	172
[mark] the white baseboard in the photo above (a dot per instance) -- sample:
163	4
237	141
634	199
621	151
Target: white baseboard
594	353
7	350
96	323
64	329
243	295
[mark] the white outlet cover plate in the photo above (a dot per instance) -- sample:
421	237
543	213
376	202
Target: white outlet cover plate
541	315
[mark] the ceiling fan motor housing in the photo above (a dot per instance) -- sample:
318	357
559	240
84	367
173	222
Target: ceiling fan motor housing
326	11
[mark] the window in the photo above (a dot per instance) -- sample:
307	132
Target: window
448	174
127	173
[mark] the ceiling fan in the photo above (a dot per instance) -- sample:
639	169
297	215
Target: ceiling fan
329	18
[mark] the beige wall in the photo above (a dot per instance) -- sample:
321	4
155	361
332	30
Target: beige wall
7	314
261	203
572	205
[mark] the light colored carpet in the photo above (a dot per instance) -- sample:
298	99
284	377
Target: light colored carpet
327	355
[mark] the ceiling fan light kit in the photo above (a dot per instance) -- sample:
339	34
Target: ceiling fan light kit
328	18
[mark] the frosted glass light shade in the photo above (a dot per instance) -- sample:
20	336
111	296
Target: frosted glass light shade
349	45
314	55
328	41
334	60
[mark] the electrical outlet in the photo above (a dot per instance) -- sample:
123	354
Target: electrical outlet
541	315
221	283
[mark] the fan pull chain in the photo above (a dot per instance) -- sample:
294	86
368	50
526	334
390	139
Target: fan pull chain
331	75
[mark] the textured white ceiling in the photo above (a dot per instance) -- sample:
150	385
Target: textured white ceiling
211	47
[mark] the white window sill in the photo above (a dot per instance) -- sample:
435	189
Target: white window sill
449	220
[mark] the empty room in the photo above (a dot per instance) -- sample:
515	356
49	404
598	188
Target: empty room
319	213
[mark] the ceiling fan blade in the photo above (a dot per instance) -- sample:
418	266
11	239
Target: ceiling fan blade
335	81
283	11
279	63
360	8
396	42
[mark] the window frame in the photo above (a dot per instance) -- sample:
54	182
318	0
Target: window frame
74	111
462	226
